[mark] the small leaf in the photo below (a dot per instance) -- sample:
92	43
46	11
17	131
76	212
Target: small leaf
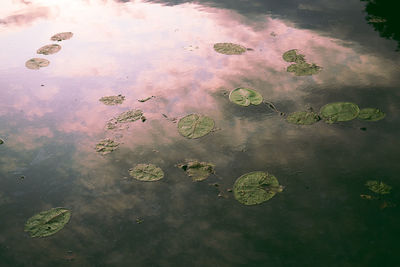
245	97
229	48
62	36
339	111
304	69
371	114
303	117
198	171
292	56
49	49
36	63
106	146
378	187
146	172
47	222
194	126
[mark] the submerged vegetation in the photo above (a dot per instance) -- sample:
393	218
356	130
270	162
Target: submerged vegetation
197	170
229	48
47	222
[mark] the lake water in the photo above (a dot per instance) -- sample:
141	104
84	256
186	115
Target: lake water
51	120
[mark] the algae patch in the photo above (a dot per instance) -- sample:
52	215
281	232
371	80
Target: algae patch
112	100
194	126
106	146
49	49
61	36
229	48
197	170
245	97
301	67
256	187
146	172
371	114
339	111
36	63
47	222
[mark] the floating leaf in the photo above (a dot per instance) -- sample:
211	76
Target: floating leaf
49	49
194	126
292	56
146	99
378	187
197	170
112	100
146	172
371	114
339	111
303	117
106	146
36	63
62	36
229	48
47	222
256	187
245	97
304	69
127	116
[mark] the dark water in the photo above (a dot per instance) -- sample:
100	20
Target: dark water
51	120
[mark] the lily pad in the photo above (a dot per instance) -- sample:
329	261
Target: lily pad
304	69
49	49
62	36
256	187
47	222
245	97
229	48
146	172
292	56
339	111
194	126
371	114
303	117
378	187
36	63
197	170
112	100
125	117
106	146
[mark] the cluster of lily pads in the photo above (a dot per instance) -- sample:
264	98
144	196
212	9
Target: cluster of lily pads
37	63
300	66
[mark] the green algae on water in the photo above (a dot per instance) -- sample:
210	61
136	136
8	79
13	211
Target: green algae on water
61	36
303	117
292	56
378	187
47	222
194	126
36	63
256	187
339	111
371	114
197	170
49	49
229	48
146	172
245	97
304	69
106	146
112	100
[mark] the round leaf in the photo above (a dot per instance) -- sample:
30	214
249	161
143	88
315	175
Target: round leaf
146	172
61	36
229	48
292	56
36	63
198	171
194	126
371	114
303	117
339	111
256	187
245	97
49	49
47	222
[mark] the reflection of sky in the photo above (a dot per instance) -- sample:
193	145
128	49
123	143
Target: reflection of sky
138	50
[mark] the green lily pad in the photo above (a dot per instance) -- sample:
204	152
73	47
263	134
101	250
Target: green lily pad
304	69
339	111
194	126
371	114
47	222
378	187
303	117
292	56
62	36
49	49
146	172
256	187
229	48
125	117
245	97
106	146
36	63
112	100
197	170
